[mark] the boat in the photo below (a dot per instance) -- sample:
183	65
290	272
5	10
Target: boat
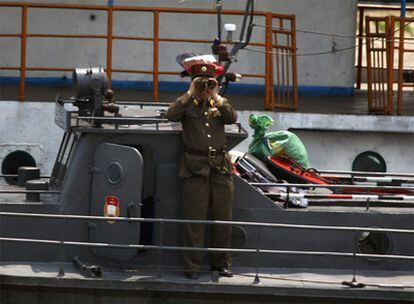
106	224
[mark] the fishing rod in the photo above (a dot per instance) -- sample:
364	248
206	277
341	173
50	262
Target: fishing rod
362	173
358	197
264	180
361	177
392	180
333	186
375	179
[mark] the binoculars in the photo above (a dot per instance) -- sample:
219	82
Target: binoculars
205	83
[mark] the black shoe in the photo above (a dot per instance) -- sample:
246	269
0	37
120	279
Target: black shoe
192	275
223	271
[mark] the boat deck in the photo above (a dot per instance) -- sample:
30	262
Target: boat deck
280	282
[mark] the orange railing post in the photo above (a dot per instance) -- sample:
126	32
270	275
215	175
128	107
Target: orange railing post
268	103
294	66
360	41
109	45
23	53
400	65
156	54
368	40
390	63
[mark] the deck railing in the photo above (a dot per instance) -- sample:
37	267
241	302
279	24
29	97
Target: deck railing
160	246
287	97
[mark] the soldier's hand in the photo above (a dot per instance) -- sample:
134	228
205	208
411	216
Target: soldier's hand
214	93
192	88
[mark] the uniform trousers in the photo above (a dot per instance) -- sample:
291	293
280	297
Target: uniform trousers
201	195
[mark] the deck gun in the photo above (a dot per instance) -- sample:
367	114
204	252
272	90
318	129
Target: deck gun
90	89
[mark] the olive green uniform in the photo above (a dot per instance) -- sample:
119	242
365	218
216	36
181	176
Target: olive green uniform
207	173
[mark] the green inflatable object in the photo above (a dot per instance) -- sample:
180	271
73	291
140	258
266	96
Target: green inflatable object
278	143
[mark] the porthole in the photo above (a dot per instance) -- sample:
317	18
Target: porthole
374	243
13	161
369	161
238	237
114	173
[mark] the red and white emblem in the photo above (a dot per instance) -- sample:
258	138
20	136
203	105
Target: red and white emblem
111	207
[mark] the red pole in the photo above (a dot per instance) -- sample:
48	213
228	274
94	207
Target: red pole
155	63
23	53
400	66
294	66
360	40
109	46
268	103
390	30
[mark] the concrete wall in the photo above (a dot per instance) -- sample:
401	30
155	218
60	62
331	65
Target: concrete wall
30	127
332	141
316	73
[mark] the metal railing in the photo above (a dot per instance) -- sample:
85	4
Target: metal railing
401	50
160	246
285	73
379	65
385	44
362	12
157	12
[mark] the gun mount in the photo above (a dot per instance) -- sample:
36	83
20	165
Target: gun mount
90	89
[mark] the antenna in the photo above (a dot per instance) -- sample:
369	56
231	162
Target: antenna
229	28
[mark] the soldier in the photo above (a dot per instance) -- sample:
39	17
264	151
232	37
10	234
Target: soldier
205	167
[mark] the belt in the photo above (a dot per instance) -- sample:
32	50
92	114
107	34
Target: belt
211	153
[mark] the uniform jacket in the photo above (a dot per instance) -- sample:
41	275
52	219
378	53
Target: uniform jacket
203	129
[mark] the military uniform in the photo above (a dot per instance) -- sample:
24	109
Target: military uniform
207	173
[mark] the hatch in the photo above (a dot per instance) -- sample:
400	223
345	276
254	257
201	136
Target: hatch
116	191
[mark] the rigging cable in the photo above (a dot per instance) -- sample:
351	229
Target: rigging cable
325	52
322	33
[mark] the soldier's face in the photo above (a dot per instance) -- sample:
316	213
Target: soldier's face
205	86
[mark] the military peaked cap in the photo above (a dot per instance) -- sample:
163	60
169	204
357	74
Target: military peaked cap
202	69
